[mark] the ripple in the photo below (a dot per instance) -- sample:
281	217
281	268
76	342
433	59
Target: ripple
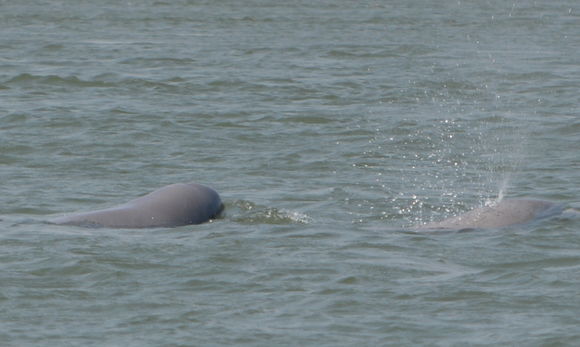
28	80
254	214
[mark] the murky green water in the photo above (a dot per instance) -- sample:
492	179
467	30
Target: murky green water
328	127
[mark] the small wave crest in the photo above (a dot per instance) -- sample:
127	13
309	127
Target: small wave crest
247	212
25	79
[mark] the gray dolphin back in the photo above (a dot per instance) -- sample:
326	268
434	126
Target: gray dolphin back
500	214
173	205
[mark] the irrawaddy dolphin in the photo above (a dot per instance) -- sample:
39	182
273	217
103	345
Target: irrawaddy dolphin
169	206
499	214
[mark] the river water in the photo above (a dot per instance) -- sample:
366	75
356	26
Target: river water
329	128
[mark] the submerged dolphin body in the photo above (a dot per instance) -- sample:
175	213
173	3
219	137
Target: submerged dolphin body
498	215
169	206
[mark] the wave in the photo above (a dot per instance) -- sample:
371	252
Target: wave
246	212
26	79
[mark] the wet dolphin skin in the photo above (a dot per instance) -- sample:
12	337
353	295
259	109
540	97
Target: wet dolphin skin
169	206
497	215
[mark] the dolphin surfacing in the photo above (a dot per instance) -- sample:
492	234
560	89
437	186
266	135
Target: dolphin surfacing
499	214
170	206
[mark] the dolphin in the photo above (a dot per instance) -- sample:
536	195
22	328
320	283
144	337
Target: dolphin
499	214
170	206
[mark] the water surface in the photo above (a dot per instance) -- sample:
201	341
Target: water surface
328	127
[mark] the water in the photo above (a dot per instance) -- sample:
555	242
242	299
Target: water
328	127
